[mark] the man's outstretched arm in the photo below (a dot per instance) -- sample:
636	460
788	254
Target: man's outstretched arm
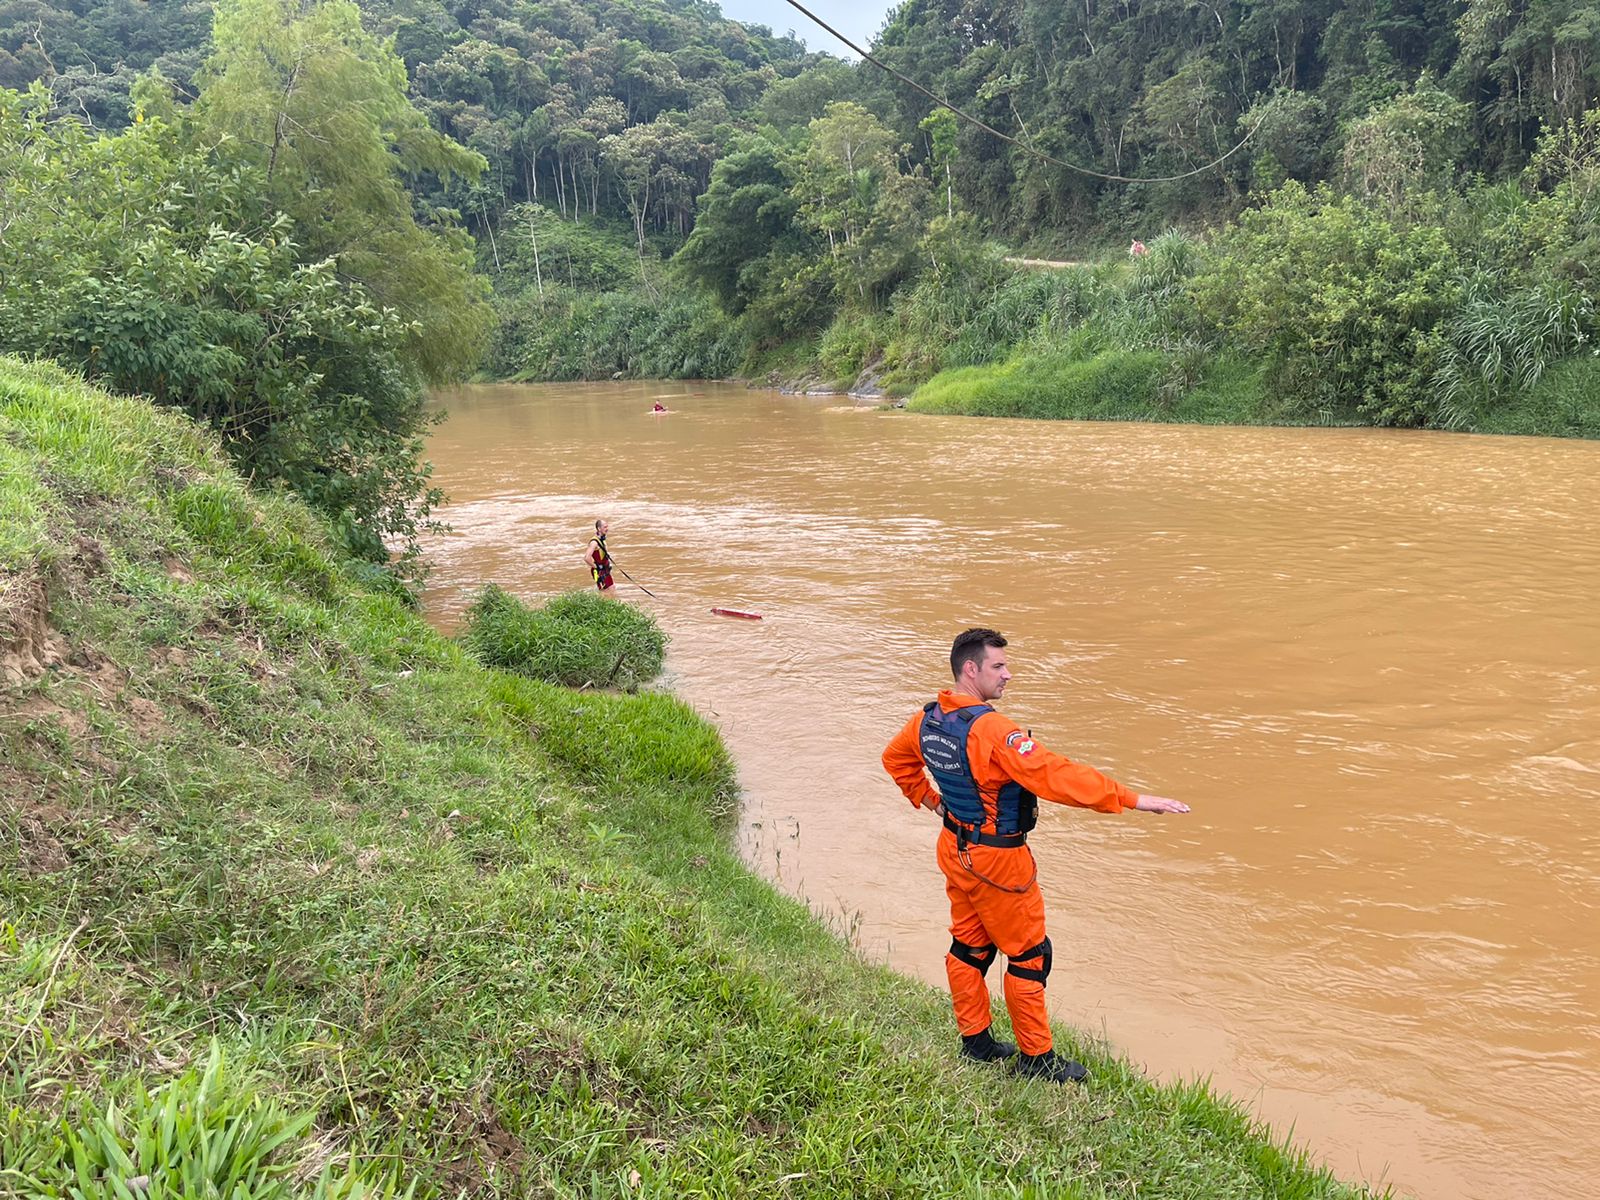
1052	776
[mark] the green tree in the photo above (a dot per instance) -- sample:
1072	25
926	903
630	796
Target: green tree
940	126
541	252
162	268
1410	144
1563	225
853	193
654	167
746	221
319	106
1531	64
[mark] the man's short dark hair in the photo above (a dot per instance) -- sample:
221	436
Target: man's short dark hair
599	523
972	646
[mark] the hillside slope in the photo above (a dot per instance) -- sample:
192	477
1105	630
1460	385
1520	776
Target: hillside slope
297	898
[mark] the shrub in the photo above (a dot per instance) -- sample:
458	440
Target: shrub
614	335
1342	302
577	640
208	305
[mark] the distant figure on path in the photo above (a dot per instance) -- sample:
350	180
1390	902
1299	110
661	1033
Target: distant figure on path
598	560
990	776
1138	249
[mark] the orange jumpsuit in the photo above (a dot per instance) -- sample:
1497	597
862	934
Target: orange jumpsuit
1005	910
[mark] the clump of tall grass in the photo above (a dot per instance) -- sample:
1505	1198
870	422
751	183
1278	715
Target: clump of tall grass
1156	294
577	640
1564	403
1497	346
848	344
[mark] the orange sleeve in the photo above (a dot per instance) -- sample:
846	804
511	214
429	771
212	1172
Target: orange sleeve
903	760
1012	754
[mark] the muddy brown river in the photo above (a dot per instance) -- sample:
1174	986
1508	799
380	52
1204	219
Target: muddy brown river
1369	659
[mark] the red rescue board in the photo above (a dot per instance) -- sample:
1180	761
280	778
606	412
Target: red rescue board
734	612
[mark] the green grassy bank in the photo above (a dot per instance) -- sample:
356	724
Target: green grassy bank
1112	385
1149	385
296	899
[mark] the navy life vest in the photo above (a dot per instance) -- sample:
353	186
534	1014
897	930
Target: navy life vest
943	739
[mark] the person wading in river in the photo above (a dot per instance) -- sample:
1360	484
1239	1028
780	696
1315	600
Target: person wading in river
990	776
597	559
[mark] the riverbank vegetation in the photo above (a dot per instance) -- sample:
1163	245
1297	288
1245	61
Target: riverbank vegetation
1366	216
298	897
1401	238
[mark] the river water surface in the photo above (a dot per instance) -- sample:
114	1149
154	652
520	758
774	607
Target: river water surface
1370	660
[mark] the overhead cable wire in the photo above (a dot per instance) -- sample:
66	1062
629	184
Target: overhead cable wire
1006	137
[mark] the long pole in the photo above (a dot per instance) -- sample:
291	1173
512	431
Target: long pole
634	581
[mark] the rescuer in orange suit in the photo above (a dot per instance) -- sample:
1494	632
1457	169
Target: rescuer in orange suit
990	775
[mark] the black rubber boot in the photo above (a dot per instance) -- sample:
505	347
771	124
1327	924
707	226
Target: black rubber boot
1048	1067
983	1047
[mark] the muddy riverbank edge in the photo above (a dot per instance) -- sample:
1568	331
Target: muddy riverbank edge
285	867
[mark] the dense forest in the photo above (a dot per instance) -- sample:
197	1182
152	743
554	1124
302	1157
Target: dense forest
616	109
292	216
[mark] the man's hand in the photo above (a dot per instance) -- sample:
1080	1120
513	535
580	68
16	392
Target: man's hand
1160	804
937	807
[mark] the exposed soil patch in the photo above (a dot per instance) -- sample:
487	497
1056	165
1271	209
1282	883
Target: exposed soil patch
28	645
145	717
33	820
41	710
495	1154
102	676
1053	264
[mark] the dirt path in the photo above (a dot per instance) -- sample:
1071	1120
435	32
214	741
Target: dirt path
1053	264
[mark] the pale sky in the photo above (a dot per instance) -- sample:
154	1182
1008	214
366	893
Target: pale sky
858	20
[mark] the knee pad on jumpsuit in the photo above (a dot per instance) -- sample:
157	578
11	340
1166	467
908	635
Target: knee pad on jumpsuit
966	966
1042	973
1025	985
